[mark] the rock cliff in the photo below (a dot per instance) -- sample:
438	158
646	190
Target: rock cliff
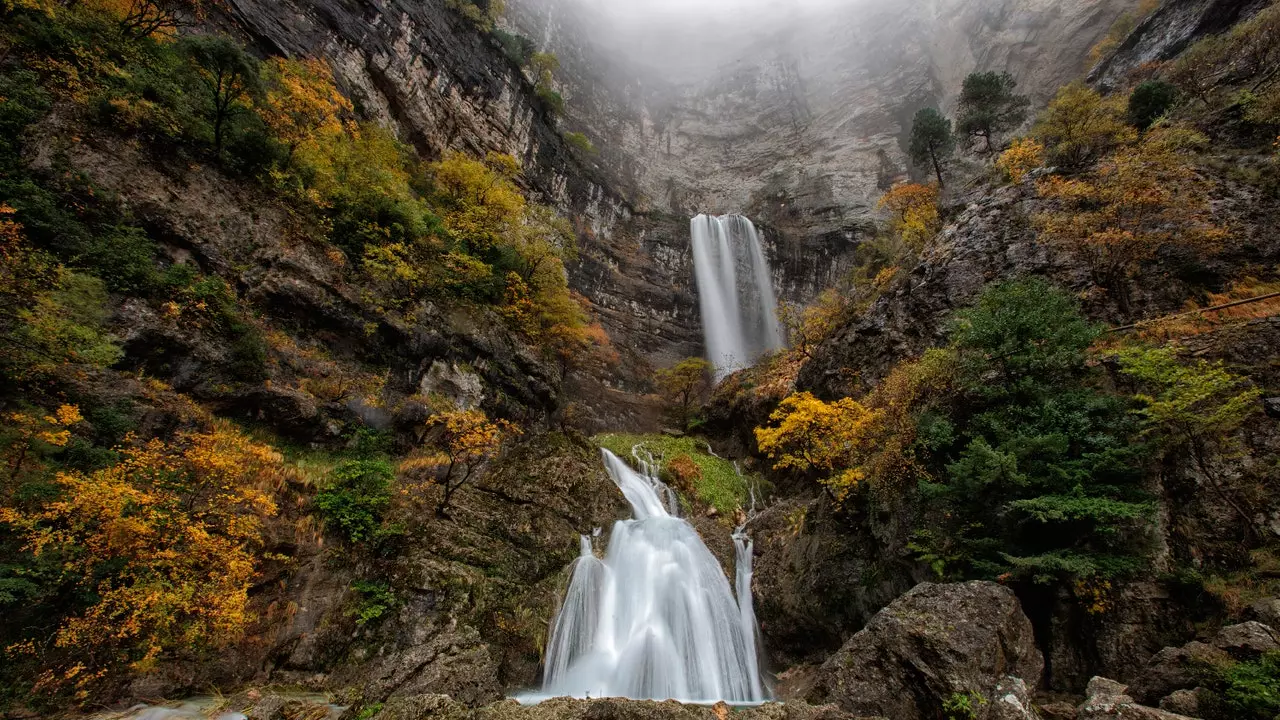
800	127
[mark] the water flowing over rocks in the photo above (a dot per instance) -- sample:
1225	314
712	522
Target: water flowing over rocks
935	641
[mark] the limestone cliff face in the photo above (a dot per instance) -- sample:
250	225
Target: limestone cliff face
800	126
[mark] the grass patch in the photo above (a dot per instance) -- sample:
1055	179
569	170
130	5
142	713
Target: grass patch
717	483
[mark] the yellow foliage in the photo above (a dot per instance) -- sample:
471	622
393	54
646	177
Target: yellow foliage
1195	319
462	441
1081	126
829	438
302	102
914	209
143	18
164	542
808	327
1140	200
850	442
480	202
1023	156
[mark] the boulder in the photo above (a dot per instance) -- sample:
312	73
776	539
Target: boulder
1011	701
1175	669
1266	610
1108	700
1183	668
1247	641
933	642
1187	702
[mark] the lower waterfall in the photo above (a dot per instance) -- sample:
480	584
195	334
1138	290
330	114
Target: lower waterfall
656	619
735	292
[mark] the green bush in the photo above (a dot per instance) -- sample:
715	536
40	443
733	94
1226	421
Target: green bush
518	48
1247	690
375	600
358	495
1038	472
552	100
1149	102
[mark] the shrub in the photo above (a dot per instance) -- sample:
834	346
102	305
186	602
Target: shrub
1149	102
580	142
375	600
357	497
518	48
551	100
1081	126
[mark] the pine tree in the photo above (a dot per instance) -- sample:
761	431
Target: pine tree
932	141
989	107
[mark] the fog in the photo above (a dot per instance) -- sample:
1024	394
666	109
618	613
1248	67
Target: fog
688	38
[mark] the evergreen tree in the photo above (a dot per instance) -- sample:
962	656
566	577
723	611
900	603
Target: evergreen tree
1149	102
229	78
989	107
1037	472
932	141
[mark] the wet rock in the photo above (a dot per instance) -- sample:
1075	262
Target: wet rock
933	642
1272	406
1107	700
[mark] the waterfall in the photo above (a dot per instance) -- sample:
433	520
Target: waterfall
655	619
735	292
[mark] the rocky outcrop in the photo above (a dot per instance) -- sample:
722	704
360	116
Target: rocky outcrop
1180	671
818	577
933	643
1106	700
475	591
1172	28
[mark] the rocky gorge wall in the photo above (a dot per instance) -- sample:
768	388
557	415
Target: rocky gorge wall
801	128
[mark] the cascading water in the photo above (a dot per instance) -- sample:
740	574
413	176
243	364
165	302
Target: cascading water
656	618
735	292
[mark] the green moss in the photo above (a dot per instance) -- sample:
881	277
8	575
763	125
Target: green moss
720	485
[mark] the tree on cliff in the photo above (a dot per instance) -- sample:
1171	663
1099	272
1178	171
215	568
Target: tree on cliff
228	76
684	386
464	439
932	141
989	106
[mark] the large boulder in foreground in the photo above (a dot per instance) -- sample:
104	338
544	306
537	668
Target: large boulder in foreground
934	642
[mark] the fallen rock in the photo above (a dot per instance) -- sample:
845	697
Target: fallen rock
1266	610
1247	641
1174	669
1186	702
1011	701
1107	700
931	643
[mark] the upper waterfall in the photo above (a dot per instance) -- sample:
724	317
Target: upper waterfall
656	619
735	292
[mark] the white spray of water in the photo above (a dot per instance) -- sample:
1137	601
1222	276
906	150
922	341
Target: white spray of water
656	618
735	292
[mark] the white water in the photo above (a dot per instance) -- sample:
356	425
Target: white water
735	292
656	618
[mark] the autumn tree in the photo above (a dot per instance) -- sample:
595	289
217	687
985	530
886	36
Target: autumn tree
144	18
808	326
301	101
24	272
807	434
913	209
1022	156
1195	407
932	141
161	548
989	106
1080	126
228	78
685	386
464	440
1135	203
